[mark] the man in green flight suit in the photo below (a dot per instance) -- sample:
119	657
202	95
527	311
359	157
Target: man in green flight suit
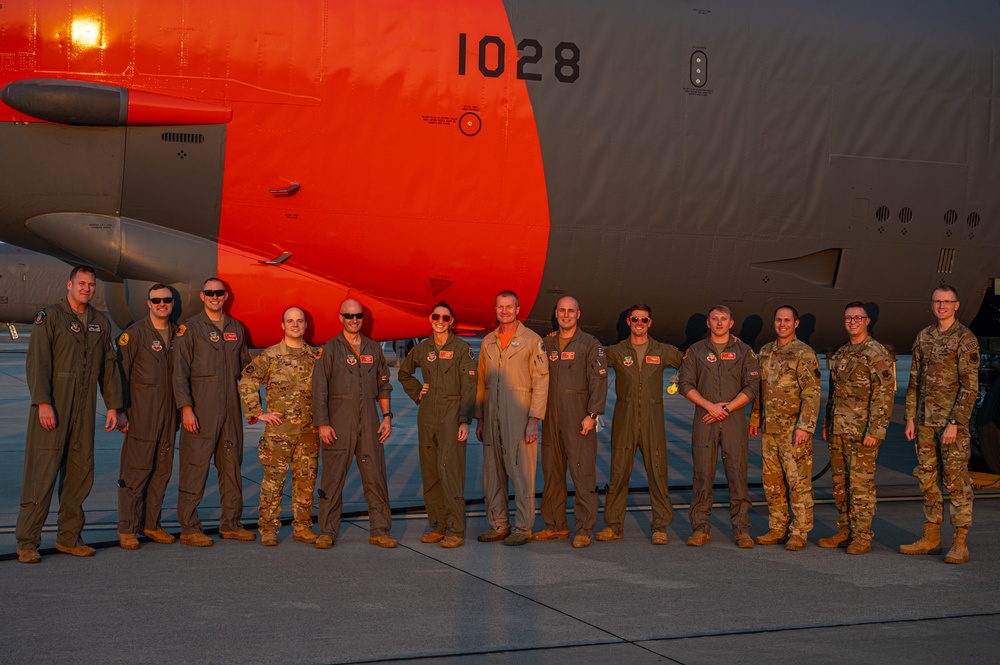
639	363
69	353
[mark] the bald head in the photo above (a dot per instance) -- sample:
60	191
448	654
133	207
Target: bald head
567	315
350	306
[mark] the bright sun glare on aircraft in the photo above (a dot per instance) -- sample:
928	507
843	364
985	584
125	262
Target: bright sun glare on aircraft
85	33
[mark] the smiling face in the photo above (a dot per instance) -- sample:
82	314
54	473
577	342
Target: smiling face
507	309
945	305
351	325
856	322
639	321
161	310
214	304
293	323
440	325
81	288
567	313
785	324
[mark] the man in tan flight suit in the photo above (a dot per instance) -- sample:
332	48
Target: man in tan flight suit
510	400
147	458
210	354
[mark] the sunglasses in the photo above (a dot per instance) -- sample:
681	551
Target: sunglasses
637	319
214	293
441	317
351	315
165	301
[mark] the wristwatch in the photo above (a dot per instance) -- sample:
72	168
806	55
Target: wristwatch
952	421
592	416
725	408
387	414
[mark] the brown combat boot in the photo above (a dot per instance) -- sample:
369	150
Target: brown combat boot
324	542
269	539
128	541
929	544
608	534
959	552
77	550
451	542
744	541
772	537
659	538
796	543
492	536
28	555
580	541
838	539
550	534
242	534
158	536
385	540
859	546
432	537
196	539
305	536
697	539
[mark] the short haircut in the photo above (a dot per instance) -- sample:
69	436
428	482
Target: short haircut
947	287
640	307
292	307
156	287
795	312
858	303
507	293
721	308
445	306
81	268
212	279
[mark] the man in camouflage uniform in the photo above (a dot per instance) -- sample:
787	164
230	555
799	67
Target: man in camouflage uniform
862	383
639	363
943	385
578	389
720	375
285	370
785	415
69	356
146	351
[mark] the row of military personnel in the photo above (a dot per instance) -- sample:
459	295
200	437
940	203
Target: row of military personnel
332	403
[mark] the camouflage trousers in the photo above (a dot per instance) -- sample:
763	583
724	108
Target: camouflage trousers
787	473
277	452
852	465
953	463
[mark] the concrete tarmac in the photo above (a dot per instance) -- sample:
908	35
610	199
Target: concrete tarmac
625	601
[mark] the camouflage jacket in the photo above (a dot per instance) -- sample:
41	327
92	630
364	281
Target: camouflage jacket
286	374
944	376
862	385
790	388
